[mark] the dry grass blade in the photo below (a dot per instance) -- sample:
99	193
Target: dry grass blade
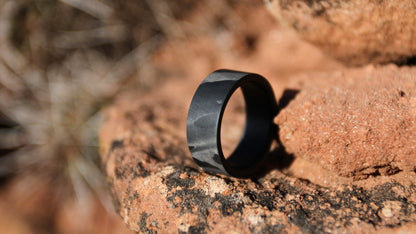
91	37
95	8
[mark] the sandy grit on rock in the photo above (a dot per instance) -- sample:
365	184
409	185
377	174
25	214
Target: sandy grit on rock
356	32
355	123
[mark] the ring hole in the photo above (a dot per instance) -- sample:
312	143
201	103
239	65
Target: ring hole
233	123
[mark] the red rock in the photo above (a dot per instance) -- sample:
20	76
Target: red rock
356	32
355	122
158	188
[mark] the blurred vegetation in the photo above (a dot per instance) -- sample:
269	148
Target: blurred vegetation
48	31
61	61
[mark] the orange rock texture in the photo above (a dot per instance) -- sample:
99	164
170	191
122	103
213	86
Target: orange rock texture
356	32
354	122
158	188
344	160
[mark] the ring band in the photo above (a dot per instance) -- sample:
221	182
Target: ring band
205	117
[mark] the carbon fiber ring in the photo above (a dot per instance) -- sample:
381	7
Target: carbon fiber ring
205	117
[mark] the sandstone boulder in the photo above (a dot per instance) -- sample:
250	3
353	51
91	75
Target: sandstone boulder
354	122
158	188
356	32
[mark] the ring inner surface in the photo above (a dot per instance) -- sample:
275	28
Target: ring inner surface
233	123
256	137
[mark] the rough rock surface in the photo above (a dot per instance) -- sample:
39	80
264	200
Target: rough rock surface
356	32
355	122
158	188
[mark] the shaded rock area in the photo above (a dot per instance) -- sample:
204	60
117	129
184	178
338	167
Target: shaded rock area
355	32
158	188
356	123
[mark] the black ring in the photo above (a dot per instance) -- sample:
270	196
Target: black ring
205	116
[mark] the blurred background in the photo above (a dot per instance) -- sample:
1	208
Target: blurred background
63	61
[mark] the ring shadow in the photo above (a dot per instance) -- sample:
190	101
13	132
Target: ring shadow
278	158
